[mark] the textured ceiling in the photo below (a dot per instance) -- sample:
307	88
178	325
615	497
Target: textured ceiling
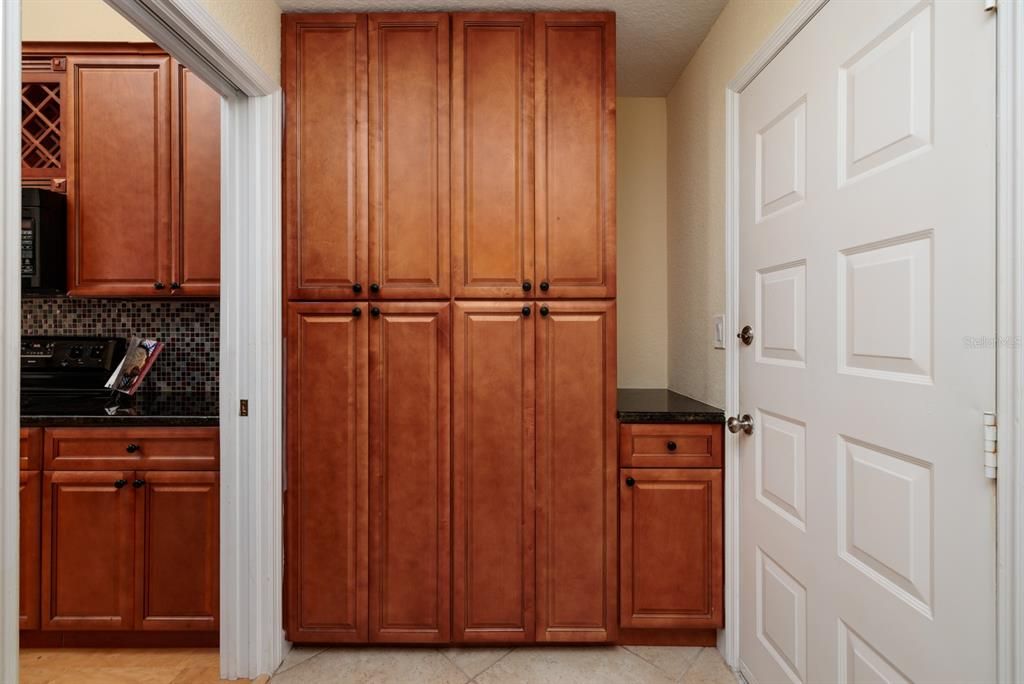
656	38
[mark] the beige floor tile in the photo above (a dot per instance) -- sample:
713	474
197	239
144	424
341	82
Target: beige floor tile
473	661
672	660
375	666
709	668
298	655
572	665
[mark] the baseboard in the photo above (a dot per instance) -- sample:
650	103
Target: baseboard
47	639
667	637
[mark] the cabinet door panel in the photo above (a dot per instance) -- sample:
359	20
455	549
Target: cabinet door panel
325	148
492	155
410	473
119	206
671	557
30	494
576	154
177	551
409	162
88	544
327	473
195	208
576	471
31	448
494	472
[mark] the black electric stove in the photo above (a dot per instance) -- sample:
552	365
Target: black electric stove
66	375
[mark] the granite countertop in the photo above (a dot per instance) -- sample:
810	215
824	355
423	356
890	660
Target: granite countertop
145	409
664	406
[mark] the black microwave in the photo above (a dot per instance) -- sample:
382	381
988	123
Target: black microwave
44	239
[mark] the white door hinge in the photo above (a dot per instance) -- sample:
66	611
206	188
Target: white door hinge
991	5
991	445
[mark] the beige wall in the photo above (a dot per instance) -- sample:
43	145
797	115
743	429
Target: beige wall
75	20
642	267
256	27
696	194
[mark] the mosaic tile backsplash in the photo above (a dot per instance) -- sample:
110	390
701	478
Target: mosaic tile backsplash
190	332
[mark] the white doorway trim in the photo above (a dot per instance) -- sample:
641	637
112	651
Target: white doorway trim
1010	332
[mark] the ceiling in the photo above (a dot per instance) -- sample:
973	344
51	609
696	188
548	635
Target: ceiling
656	38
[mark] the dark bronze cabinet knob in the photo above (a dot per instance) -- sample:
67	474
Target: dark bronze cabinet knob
132	448
527	286
139	483
544	311
544	285
526	311
374	288
375	311
158	285
357	288
671	445
120	483
357	312
630	482
175	286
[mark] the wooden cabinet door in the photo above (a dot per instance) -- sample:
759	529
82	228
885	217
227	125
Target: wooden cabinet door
195	207
88	544
671	556
43	96
492	155
326	502
31	448
576	154
409	165
410	473
30	494
493	419
119	205
576	471
177	550
325	146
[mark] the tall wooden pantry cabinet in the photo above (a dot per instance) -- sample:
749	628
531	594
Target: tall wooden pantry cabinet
450	317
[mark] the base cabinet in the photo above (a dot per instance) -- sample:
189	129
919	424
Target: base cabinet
30	492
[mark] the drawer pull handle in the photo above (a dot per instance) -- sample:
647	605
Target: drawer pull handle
132	448
120	483
671	445
630	482
139	483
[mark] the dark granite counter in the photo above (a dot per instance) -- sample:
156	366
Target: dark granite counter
664	406
145	409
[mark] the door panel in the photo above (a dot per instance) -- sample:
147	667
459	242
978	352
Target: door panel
30	498
119	175
494	472
195	208
575	155
410	473
576	472
409	163
88	543
866	248
327	473
671	556
177	550
325	148
492	155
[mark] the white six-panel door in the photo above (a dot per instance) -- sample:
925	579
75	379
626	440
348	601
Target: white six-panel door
867	271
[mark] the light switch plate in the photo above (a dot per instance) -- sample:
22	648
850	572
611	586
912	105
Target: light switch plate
718	331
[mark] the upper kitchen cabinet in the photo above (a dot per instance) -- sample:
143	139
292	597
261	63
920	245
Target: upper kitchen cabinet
119	208
408	155
492	156
43	91
575	154
325	172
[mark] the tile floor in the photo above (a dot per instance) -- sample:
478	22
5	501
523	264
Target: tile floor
557	665
120	666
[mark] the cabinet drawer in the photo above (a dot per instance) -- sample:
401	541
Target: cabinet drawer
670	446
142	448
31	448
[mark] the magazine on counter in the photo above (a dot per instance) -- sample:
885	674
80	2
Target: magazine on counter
138	359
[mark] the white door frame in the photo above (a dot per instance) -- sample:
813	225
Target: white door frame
1010	333
251	551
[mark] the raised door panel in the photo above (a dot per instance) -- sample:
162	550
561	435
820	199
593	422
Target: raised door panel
195	204
671	557
88	543
30	495
325	147
410	473
177	551
576	472
576	154
492	155
493	419
326	501
409	161
31	448
119	170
